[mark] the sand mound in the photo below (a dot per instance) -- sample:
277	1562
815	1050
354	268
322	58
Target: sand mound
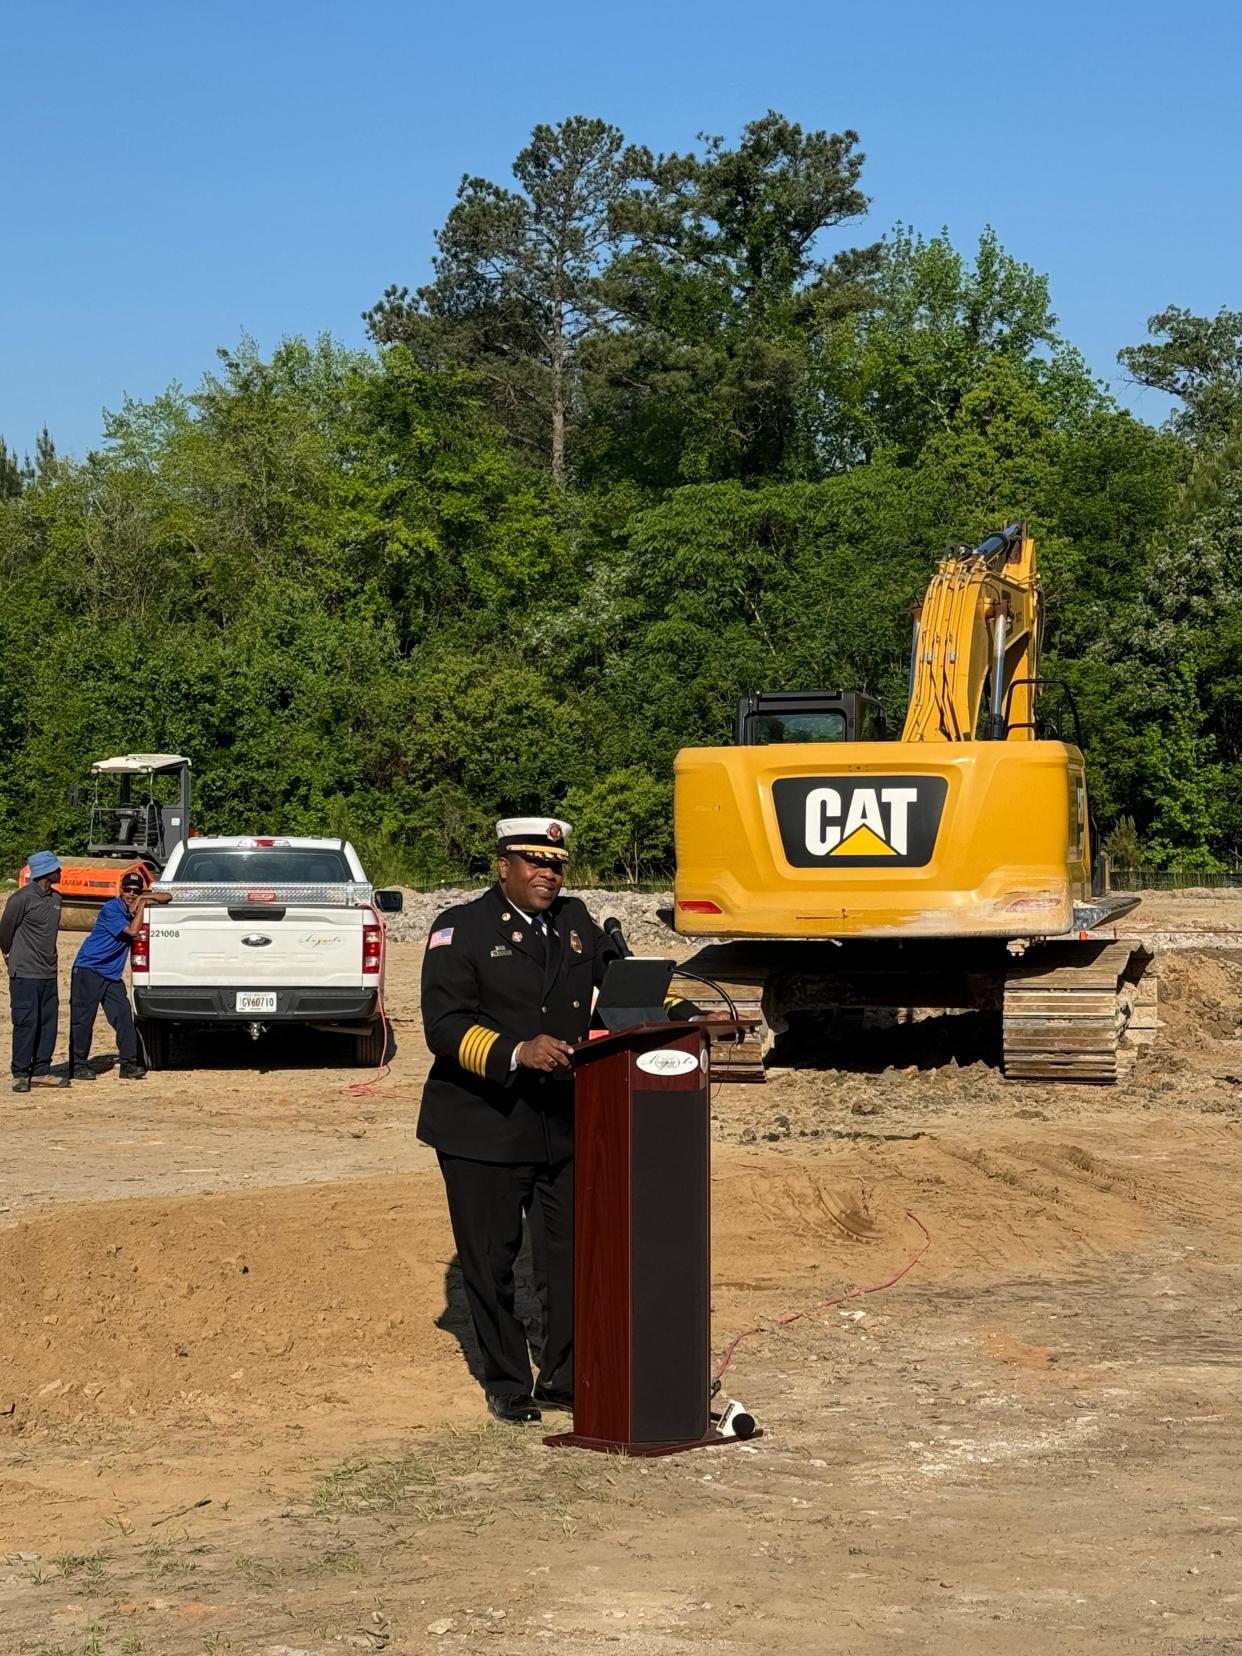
226	1307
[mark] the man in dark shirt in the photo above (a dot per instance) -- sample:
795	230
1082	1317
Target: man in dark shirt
99	979
28	928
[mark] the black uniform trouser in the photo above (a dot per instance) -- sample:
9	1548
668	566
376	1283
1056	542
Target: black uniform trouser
487	1202
89	991
35	1005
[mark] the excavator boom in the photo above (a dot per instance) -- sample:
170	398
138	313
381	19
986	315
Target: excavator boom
978	625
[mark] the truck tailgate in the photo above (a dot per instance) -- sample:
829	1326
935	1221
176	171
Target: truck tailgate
202	944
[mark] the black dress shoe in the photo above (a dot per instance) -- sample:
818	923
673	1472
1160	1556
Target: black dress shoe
133	1072
83	1072
21	1083
554	1399
517	1411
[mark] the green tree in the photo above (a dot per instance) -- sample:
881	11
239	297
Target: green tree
45	456
719	284
1184	778
1197	359
12	475
514	293
894	375
1122	846
623	822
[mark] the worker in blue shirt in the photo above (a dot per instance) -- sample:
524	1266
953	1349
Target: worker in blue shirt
99	979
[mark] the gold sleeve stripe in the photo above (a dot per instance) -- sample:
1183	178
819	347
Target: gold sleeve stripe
468	1052
476	1044
673	1000
488	1043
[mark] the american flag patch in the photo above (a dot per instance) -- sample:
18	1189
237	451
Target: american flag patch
439	939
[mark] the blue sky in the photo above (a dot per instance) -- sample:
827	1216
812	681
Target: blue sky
176	175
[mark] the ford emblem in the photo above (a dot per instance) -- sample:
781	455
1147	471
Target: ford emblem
256	940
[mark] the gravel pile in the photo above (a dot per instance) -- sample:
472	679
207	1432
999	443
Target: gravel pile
643	915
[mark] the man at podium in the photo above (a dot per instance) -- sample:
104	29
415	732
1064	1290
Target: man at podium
507	987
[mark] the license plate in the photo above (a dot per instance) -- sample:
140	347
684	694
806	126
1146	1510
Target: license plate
256	1003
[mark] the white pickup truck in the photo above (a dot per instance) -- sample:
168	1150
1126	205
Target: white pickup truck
263	932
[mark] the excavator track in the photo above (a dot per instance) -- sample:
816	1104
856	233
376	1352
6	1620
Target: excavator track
1078	1011
733	1058
1070	1011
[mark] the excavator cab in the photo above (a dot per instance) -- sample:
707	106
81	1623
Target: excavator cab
768	717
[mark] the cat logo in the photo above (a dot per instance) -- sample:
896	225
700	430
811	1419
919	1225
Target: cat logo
856	822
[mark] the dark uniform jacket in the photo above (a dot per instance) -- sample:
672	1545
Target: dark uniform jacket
486	987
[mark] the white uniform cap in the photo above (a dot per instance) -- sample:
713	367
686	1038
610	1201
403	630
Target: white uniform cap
543	835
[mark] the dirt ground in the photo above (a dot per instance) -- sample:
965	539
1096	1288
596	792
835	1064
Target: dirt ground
236	1414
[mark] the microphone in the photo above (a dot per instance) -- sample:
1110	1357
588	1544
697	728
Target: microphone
613	932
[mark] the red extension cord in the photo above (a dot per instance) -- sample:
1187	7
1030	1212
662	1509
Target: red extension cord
824	1304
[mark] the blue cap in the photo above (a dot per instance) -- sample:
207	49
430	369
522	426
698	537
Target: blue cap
43	862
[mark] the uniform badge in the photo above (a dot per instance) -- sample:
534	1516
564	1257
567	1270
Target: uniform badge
554	832
516	936
501	950
506	915
575	942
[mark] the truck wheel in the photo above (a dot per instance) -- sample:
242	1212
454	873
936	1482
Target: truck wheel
155	1039
371	1044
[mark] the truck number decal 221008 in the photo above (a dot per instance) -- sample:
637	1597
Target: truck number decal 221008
165	931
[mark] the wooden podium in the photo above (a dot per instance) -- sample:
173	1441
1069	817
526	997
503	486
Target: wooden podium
642	1242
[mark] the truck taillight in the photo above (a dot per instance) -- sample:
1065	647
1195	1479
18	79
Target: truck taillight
141	954
694	905
372	947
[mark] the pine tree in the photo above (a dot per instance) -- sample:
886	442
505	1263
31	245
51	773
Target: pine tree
12	475
513	295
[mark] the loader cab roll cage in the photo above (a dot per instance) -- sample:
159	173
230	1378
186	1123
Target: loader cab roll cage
768	717
133	817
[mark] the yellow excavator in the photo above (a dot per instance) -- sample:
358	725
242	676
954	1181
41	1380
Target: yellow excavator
950	869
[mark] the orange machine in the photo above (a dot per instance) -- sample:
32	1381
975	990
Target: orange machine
951	868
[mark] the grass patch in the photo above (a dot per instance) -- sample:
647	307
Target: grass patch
92	1645
256	1571
339	1561
161	1561
471	1474
81	1566
411	1483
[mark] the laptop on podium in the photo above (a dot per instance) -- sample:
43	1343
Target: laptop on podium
633	992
